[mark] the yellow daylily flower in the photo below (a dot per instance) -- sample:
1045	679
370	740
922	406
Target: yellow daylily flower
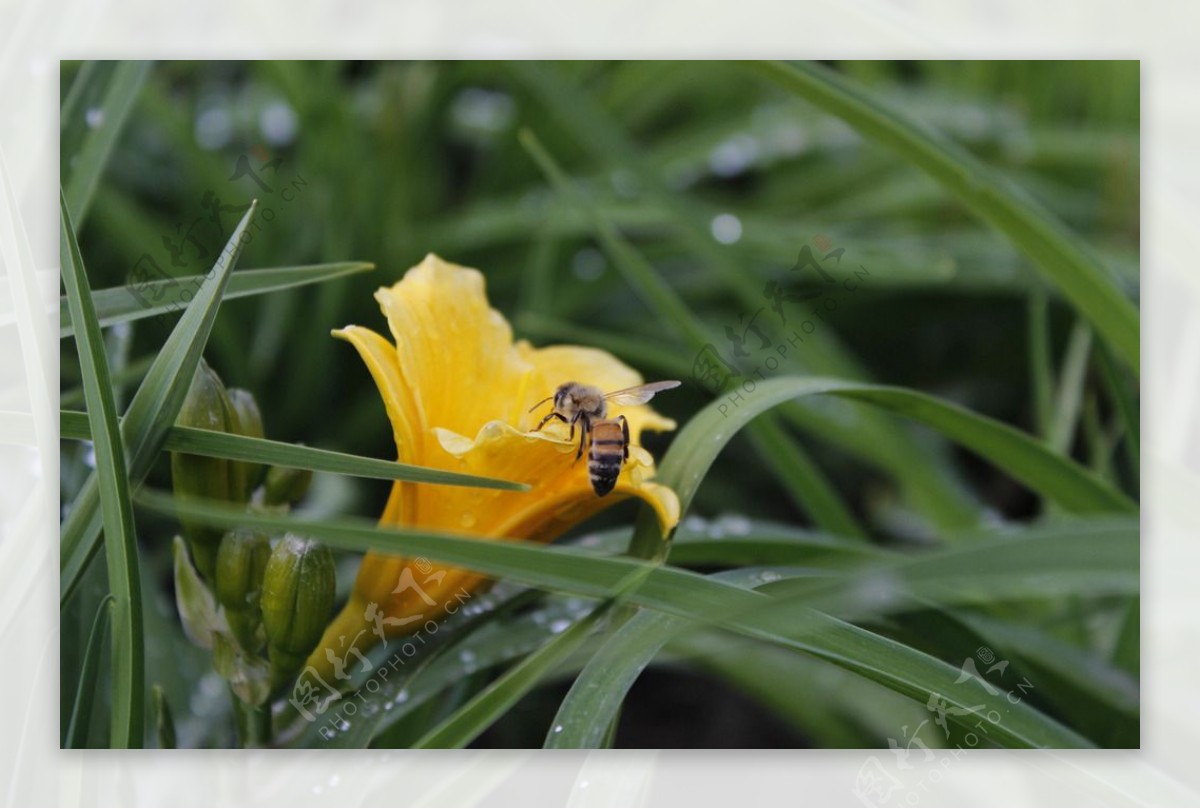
458	391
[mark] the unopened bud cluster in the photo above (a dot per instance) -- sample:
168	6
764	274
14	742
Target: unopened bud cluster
259	604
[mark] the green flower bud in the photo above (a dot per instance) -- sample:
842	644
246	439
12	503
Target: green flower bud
286	485
197	610
206	407
297	598
241	563
249	423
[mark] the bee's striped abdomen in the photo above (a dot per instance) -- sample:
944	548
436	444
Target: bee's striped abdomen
605	455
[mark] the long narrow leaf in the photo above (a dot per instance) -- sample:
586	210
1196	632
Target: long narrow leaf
594	700
1028	460
465	724
1041	368
1071	381
1095	697
1126	406
132	372
782	620
807	486
980	569
599	690
243	448
926	486
124	305
751	542
128	655
1061	255
81	708
104	124
1127	651
703	438
152	411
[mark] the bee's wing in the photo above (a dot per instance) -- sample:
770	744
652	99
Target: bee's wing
641	394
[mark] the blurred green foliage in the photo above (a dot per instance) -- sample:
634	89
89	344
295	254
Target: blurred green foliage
386	162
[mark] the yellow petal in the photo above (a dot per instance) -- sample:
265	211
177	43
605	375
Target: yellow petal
455	353
561	494
380	358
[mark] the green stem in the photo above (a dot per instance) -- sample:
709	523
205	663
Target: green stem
253	723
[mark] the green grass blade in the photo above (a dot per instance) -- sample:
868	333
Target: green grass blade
925	485
1041	368
1094	696
128	654
593	703
768	545
1055	250
481	711
1127	654
1067	561
782	620
596	695
243	448
853	712
1077	686
803	479
1126	405
656	293
1097	556
1070	485
79	538
152	411
705	435
712	539
164	723
81	708
468	648
600	689
1071	381
88	83
526	634
897	456
466	724
104	123
121	305
537	284
132	372
1025	458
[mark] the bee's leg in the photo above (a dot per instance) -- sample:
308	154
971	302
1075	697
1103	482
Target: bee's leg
583	433
553	415
625	429
574	419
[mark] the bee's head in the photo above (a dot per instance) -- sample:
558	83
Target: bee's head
564	393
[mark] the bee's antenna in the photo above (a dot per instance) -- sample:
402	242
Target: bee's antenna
539	404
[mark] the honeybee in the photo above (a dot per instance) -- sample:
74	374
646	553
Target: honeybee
609	447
